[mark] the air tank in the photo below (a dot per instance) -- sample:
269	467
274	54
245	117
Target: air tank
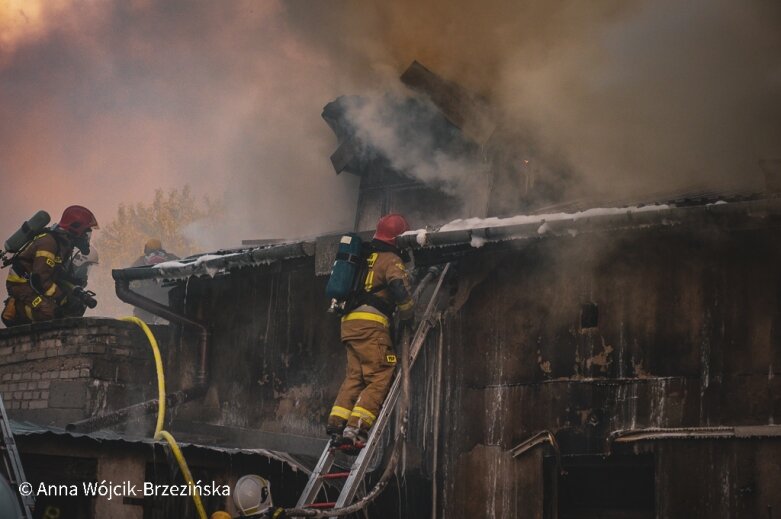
27	231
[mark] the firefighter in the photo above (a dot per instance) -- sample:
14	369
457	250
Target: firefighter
75	278
154	254
79	267
365	333
33	281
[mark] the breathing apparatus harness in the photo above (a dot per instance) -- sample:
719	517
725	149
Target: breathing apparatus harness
85	297
348	275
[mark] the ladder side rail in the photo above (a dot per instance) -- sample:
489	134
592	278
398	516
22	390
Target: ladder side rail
315	482
324	464
10	446
11	457
426	324
358	470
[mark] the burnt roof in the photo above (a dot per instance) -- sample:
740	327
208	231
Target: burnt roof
436	245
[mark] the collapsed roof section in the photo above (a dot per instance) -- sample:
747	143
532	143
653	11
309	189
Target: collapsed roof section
453	119
461	237
462	108
413	151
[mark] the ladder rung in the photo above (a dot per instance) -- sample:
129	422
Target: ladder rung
335	475
354	447
321	505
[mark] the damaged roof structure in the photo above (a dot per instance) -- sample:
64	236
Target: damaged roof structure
589	360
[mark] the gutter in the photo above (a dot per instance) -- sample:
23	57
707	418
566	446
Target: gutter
575	223
492	231
211	265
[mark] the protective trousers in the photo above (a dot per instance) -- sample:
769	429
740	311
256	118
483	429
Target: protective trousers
370	365
29	306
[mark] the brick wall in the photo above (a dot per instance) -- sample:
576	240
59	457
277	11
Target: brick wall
65	370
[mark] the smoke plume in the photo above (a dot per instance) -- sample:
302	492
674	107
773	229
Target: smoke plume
103	102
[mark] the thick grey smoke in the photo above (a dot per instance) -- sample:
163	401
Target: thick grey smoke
415	139
103	102
666	95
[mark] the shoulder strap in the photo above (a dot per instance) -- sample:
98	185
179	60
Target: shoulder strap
16	266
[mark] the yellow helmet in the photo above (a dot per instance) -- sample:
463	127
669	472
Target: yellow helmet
152	245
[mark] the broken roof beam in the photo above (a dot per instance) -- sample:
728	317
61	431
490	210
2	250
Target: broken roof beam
344	155
462	108
335	115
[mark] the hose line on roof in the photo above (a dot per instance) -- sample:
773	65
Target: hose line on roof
160	434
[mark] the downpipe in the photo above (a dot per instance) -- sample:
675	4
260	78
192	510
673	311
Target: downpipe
125	294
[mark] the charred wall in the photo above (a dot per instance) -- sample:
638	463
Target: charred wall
276	363
686	336
273	350
667	327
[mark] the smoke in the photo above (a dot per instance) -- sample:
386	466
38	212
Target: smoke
101	103
615	99
666	96
104	102
415	139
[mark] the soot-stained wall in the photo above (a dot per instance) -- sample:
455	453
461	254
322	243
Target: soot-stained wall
274	353
581	335
687	336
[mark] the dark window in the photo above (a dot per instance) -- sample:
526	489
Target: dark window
589	315
613	487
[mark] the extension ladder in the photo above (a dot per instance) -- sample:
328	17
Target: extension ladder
354	477
13	465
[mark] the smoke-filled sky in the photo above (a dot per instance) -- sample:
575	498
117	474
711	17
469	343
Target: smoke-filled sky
103	101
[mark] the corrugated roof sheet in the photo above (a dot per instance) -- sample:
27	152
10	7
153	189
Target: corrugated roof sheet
25	428
465	233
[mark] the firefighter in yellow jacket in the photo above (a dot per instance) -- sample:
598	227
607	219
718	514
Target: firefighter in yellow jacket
34	279
366	334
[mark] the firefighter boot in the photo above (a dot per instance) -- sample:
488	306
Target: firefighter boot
335	432
356	436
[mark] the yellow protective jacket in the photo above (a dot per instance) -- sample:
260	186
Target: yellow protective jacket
43	258
385	288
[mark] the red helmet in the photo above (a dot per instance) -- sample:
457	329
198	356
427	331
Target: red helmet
389	227
77	220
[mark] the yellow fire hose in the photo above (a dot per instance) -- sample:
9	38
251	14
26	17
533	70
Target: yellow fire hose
160	434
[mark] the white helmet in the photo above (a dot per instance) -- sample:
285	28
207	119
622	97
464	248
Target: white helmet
80	259
252	495
80	264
